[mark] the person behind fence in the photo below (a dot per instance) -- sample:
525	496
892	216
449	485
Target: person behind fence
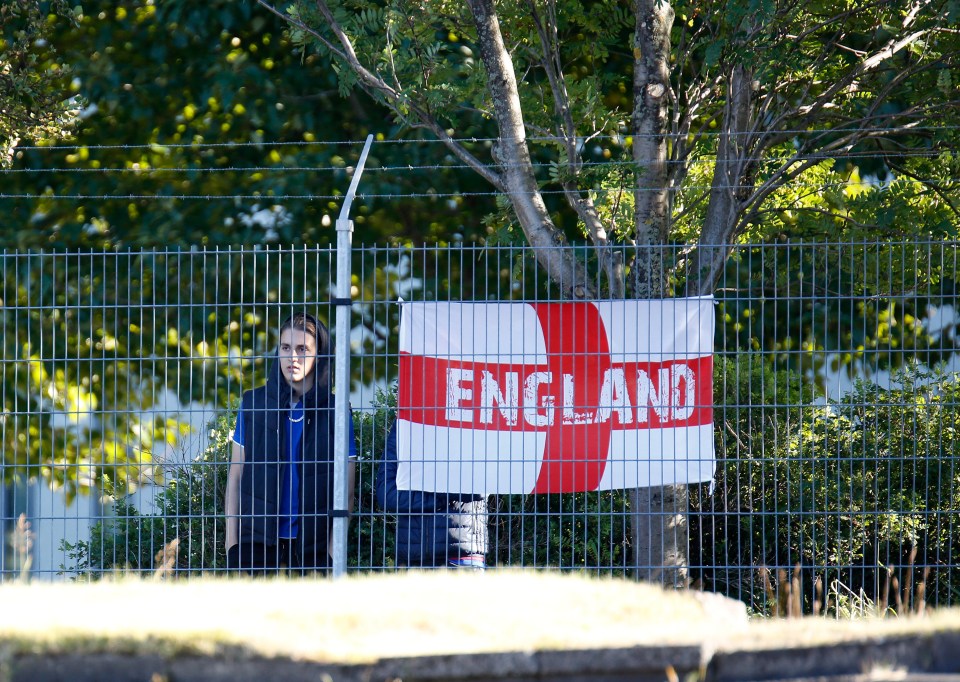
279	495
433	529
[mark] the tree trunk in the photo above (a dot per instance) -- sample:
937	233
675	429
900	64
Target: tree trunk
660	534
650	125
513	157
659	524
729	189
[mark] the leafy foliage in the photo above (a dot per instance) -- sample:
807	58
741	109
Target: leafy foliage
108	388
853	306
766	111
205	128
587	531
887	462
189	514
734	529
372	536
37	101
849	491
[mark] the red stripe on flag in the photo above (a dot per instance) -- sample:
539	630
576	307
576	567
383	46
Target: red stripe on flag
575	455
658	394
451	393
672	394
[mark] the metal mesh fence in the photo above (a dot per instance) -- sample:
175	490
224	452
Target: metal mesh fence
835	417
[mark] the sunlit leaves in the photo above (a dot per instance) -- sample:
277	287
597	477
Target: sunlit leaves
111	358
37	99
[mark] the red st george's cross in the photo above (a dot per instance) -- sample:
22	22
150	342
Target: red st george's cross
555	397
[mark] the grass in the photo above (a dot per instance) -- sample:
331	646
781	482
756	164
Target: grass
357	619
365	618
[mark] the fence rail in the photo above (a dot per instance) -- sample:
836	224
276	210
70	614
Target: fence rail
836	413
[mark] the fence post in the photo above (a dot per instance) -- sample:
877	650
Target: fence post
343	302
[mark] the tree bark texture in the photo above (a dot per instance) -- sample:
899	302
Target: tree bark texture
730	188
660	534
650	126
513	157
659	528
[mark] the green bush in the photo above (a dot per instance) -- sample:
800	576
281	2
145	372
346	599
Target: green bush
588	531
876	482
371	538
189	509
861	494
734	528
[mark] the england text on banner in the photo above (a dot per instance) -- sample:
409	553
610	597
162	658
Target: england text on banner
558	397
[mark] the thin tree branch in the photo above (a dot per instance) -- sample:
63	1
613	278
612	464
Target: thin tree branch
582	204
378	88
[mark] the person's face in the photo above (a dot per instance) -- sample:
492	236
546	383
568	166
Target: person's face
297	355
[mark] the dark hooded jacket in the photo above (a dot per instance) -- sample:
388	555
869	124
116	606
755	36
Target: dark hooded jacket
264	411
431	527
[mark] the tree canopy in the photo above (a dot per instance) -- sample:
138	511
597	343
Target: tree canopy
659	121
204	126
37	98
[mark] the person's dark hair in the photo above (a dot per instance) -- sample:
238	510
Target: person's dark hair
306	322
309	324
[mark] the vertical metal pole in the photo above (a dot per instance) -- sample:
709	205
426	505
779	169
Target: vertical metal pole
341	446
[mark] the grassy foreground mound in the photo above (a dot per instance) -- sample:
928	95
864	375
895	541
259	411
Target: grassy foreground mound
367	618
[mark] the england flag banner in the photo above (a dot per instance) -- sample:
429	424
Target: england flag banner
508	398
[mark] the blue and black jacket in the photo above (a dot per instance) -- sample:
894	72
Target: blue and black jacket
264	411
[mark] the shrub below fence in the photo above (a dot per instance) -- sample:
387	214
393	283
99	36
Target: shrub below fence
862	494
190	511
847	491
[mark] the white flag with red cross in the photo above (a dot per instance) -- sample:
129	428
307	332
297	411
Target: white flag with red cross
508	398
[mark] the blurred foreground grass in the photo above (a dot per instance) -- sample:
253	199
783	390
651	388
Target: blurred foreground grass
365	618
